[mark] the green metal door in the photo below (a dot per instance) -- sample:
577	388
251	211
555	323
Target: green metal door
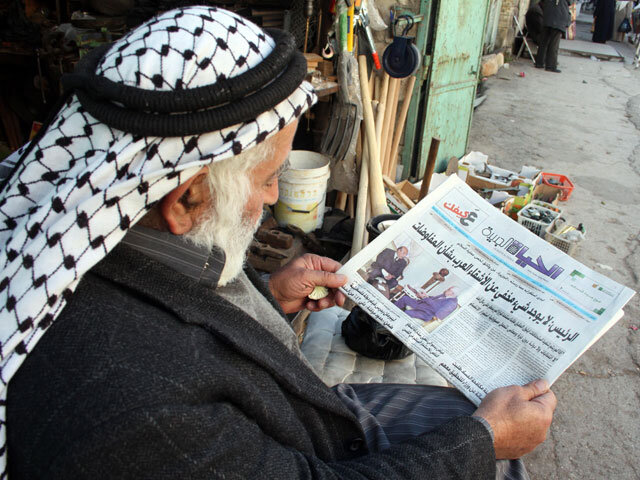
452	62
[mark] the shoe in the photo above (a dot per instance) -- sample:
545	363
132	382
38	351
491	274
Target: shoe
539	66
554	70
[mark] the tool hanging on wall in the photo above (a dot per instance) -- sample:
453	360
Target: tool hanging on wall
363	21
341	135
328	51
350	24
401	58
308	13
343	27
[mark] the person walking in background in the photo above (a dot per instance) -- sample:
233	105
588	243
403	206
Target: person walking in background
556	19
603	19
534	22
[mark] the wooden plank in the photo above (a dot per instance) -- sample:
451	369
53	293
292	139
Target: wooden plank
399	194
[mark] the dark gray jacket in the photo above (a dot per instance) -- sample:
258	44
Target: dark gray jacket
147	374
556	14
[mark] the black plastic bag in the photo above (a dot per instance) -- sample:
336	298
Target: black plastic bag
367	337
625	26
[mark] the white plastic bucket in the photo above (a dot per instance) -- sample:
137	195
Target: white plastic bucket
303	190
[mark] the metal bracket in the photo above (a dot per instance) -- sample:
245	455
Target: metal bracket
524	40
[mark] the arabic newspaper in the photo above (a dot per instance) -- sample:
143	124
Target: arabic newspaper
480	298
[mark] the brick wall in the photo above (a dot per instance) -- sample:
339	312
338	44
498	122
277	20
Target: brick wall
506	25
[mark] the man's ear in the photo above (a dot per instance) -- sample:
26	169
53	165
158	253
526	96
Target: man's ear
181	206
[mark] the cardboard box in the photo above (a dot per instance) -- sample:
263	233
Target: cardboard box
537	191
546	194
409	190
478	182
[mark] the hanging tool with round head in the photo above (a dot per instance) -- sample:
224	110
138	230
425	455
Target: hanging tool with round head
401	58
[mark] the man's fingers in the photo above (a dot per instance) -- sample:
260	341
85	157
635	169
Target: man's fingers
548	400
340	298
325	279
536	388
323	263
330	265
326	302
312	306
316	306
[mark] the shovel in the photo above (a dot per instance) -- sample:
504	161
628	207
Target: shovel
344	124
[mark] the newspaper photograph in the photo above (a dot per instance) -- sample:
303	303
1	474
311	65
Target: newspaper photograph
480	298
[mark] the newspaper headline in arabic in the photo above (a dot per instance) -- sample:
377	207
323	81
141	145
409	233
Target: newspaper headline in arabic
478	297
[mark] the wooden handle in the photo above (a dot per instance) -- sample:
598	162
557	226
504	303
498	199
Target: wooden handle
431	164
377	90
393	105
378	199
384	98
392	96
379	122
341	201
361	207
393	157
385	88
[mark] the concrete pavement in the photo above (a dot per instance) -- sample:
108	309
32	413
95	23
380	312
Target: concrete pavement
584	123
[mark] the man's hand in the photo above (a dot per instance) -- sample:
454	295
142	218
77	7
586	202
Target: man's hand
415	291
519	416
386	275
292	284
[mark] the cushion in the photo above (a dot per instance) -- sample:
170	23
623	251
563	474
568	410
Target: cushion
335	363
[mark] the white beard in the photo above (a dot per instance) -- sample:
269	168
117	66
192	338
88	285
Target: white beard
228	231
224	224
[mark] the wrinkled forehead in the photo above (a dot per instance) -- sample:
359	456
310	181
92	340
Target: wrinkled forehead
184	49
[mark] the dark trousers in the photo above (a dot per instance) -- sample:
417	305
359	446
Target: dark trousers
392	413
548	49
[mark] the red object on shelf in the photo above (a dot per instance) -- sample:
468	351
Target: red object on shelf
561	182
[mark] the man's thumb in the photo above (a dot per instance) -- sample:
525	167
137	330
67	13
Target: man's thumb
536	388
328	279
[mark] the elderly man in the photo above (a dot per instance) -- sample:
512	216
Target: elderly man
134	341
388	266
534	20
429	308
556	19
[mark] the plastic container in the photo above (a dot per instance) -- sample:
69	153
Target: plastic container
303	190
538	227
375	225
561	182
513	205
568	246
509	210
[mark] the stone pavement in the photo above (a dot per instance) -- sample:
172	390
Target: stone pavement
584	123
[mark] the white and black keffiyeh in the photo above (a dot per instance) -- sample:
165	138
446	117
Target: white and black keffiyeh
189	87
